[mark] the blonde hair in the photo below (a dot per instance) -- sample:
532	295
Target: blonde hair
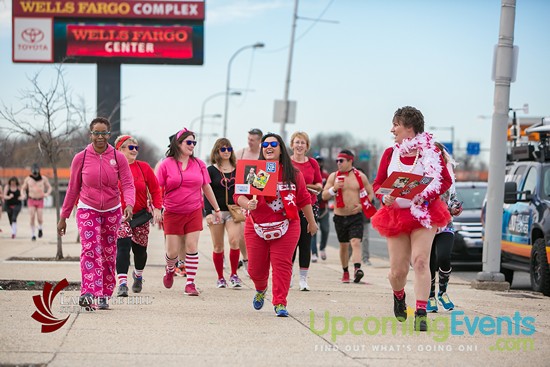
128	138
302	135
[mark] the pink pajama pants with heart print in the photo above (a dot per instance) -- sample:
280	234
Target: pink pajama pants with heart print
97	260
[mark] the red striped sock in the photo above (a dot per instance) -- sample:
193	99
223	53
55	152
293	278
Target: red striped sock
217	257
399	294
234	255
191	265
122	278
170	263
421	305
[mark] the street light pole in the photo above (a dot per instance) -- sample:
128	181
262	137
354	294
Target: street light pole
227	83
233	93
288	71
504	61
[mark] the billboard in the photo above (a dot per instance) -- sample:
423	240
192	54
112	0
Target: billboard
138	32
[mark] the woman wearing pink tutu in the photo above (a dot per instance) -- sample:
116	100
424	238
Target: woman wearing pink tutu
410	225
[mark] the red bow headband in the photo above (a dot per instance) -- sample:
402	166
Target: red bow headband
345	156
180	133
121	141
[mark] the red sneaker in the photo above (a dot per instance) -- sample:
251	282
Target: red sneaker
191	290
168	278
345	277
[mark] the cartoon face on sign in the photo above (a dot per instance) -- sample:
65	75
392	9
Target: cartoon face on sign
261	179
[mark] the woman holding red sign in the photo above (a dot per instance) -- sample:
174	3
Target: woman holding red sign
272	228
410	225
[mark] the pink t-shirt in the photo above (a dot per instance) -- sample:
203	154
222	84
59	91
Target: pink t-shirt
182	188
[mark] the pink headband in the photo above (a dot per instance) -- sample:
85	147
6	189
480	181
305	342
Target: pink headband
180	133
121	141
345	156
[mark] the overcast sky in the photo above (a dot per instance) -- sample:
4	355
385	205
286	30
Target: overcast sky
346	77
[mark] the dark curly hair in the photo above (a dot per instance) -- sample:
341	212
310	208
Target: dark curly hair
100	120
410	117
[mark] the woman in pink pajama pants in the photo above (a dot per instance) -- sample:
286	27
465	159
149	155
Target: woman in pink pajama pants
272	228
95	173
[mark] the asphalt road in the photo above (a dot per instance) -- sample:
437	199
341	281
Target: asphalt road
378	248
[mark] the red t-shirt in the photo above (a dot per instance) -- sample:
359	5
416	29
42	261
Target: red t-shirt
312	174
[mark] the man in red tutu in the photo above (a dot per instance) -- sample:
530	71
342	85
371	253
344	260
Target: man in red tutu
353	195
410	225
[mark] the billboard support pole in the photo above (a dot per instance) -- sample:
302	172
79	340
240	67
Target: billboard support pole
108	95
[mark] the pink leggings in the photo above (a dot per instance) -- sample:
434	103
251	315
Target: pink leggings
97	259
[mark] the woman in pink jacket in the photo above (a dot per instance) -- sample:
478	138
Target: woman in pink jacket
95	173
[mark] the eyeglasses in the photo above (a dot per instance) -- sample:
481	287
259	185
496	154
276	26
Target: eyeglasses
189	142
132	147
340	161
274	144
224	149
100	133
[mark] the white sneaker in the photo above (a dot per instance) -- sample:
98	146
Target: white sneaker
303	284
323	254
313	258
244	270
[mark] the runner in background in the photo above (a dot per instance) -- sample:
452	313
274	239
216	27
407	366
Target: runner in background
38	188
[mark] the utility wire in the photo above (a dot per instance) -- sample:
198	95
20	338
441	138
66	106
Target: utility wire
314	20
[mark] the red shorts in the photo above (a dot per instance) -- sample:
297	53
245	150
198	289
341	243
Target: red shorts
182	224
36	203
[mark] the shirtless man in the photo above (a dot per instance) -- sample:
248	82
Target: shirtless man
38	187
345	185
253	149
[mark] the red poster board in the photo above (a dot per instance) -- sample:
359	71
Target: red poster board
256	177
404	185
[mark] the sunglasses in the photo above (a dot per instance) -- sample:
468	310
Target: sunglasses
224	149
189	142
100	133
340	160
132	147
274	144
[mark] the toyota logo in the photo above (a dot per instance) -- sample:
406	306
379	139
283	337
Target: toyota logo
32	35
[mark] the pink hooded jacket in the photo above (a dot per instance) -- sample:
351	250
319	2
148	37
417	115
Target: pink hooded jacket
94	178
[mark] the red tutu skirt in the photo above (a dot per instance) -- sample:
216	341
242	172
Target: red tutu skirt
391	221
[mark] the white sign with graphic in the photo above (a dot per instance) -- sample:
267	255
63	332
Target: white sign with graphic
32	39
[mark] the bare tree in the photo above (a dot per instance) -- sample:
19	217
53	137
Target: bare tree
48	116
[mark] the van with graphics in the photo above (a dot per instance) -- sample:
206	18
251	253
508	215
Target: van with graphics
526	213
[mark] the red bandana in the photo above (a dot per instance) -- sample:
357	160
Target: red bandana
121	141
368	208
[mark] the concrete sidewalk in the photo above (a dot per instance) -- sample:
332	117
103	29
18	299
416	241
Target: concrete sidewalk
164	327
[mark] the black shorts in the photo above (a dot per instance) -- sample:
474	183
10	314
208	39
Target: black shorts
348	227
